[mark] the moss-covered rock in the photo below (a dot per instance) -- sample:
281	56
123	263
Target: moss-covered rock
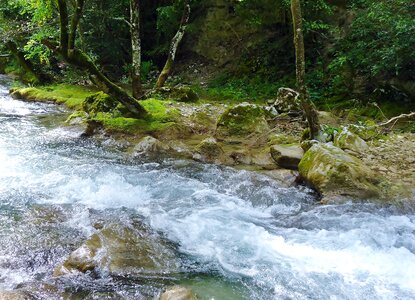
178	293
242	120
333	172
287	156
184	94
346	139
99	102
121	250
287	101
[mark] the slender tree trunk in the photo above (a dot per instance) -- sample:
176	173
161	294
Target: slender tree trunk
307	105
135	48
165	73
78	58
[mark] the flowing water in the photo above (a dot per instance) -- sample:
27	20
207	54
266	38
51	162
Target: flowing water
235	234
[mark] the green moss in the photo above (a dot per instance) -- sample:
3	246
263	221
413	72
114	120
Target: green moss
160	118
159	112
70	95
99	102
242	119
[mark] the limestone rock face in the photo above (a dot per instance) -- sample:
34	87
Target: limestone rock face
242	120
121	250
346	139
287	156
333	172
178	293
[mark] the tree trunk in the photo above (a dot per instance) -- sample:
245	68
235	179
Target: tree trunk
135	48
307	105
24	63
165	73
83	61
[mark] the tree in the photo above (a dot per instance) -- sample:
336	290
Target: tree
307	105
165	73
67	49
135	48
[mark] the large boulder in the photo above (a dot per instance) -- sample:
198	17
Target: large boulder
242	120
346	139
287	156
333	172
122	250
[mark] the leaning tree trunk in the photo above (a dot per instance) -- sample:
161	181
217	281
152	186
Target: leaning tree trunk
23	62
135	48
173	47
78	58
307	105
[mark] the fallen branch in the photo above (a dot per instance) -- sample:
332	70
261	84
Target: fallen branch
395	119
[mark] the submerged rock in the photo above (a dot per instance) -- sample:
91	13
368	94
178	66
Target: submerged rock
333	172
178	293
242	120
287	156
15	295
121	250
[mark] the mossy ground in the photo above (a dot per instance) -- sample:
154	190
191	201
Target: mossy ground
74	97
70	95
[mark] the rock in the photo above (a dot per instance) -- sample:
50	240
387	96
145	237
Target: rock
287	178
346	139
262	158
332	172
184	94
242	120
99	102
287	101
121	250
15	295
149	146
209	150
368	132
178	293
287	156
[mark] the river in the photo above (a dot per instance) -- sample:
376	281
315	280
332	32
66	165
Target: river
235	234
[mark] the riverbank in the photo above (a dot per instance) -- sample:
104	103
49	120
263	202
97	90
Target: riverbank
262	138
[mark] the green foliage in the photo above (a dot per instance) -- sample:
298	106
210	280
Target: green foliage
377	46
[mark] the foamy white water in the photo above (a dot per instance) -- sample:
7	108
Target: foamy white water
265	241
